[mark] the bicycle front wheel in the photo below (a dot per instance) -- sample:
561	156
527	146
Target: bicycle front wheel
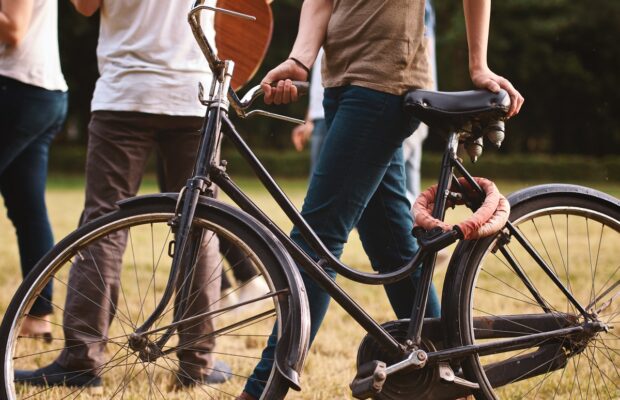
503	293
106	347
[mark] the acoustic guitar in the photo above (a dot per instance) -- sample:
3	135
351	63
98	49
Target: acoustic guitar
244	42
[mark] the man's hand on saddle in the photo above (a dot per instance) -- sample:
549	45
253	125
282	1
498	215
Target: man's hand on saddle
484	78
278	83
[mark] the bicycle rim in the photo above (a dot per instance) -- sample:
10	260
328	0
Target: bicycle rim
240	333
578	238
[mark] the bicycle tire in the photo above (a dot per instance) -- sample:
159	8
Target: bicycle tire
144	272
576	231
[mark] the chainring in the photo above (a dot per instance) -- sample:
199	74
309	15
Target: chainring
401	385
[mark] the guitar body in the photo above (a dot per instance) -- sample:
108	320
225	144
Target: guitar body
244	42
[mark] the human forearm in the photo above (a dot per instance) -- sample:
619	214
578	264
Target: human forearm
86	7
14	20
313	21
477	17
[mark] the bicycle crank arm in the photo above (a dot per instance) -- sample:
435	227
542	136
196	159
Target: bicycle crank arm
372	375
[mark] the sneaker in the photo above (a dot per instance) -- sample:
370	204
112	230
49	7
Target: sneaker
220	373
256	287
56	375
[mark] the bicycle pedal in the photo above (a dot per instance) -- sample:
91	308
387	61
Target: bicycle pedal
369	379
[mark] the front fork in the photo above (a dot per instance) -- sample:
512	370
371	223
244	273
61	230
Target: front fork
184	248
188	240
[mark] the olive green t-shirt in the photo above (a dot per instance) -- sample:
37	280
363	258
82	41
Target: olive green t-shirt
378	44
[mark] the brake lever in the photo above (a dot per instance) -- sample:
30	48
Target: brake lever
241	105
257	91
273	115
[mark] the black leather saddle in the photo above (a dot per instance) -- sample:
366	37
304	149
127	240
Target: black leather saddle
453	111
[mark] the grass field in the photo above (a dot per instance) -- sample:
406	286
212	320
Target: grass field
331	362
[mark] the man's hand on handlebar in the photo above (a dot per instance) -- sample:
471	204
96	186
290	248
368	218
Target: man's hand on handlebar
283	91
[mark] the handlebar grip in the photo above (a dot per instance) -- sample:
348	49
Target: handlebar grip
302	87
256	92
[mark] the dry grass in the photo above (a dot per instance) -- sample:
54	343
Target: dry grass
331	362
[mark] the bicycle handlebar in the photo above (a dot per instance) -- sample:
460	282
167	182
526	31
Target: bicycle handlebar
257	91
217	66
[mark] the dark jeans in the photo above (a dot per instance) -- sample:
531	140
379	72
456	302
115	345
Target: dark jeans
359	181
30	118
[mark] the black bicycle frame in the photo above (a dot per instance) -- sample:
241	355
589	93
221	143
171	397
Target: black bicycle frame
425	258
207	172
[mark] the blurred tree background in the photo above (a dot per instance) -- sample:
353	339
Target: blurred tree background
563	55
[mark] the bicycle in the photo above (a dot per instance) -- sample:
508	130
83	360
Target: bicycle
548	331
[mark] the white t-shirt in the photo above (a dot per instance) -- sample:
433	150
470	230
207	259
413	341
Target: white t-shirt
35	60
315	103
148	58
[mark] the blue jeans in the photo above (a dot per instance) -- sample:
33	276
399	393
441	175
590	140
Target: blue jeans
30	118
359	181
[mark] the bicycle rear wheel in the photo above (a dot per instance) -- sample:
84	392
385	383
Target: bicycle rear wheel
577	233
240	332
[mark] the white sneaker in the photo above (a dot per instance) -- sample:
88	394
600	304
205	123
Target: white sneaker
256	287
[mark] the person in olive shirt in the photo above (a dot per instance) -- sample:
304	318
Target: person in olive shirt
374	53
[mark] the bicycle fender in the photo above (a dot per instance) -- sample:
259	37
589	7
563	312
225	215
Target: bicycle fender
292	349
558	189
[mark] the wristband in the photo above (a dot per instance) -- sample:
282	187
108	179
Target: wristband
296	61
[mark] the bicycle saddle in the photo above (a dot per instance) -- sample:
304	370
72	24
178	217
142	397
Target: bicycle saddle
453	111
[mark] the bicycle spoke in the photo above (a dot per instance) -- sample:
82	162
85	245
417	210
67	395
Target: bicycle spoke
135	270
103	284
542	242
510	286
89	300
155	267
559	246
219	332
593	361
171	307
509	297
547	373
578	247
128	296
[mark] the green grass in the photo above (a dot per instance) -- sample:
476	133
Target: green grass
331	363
